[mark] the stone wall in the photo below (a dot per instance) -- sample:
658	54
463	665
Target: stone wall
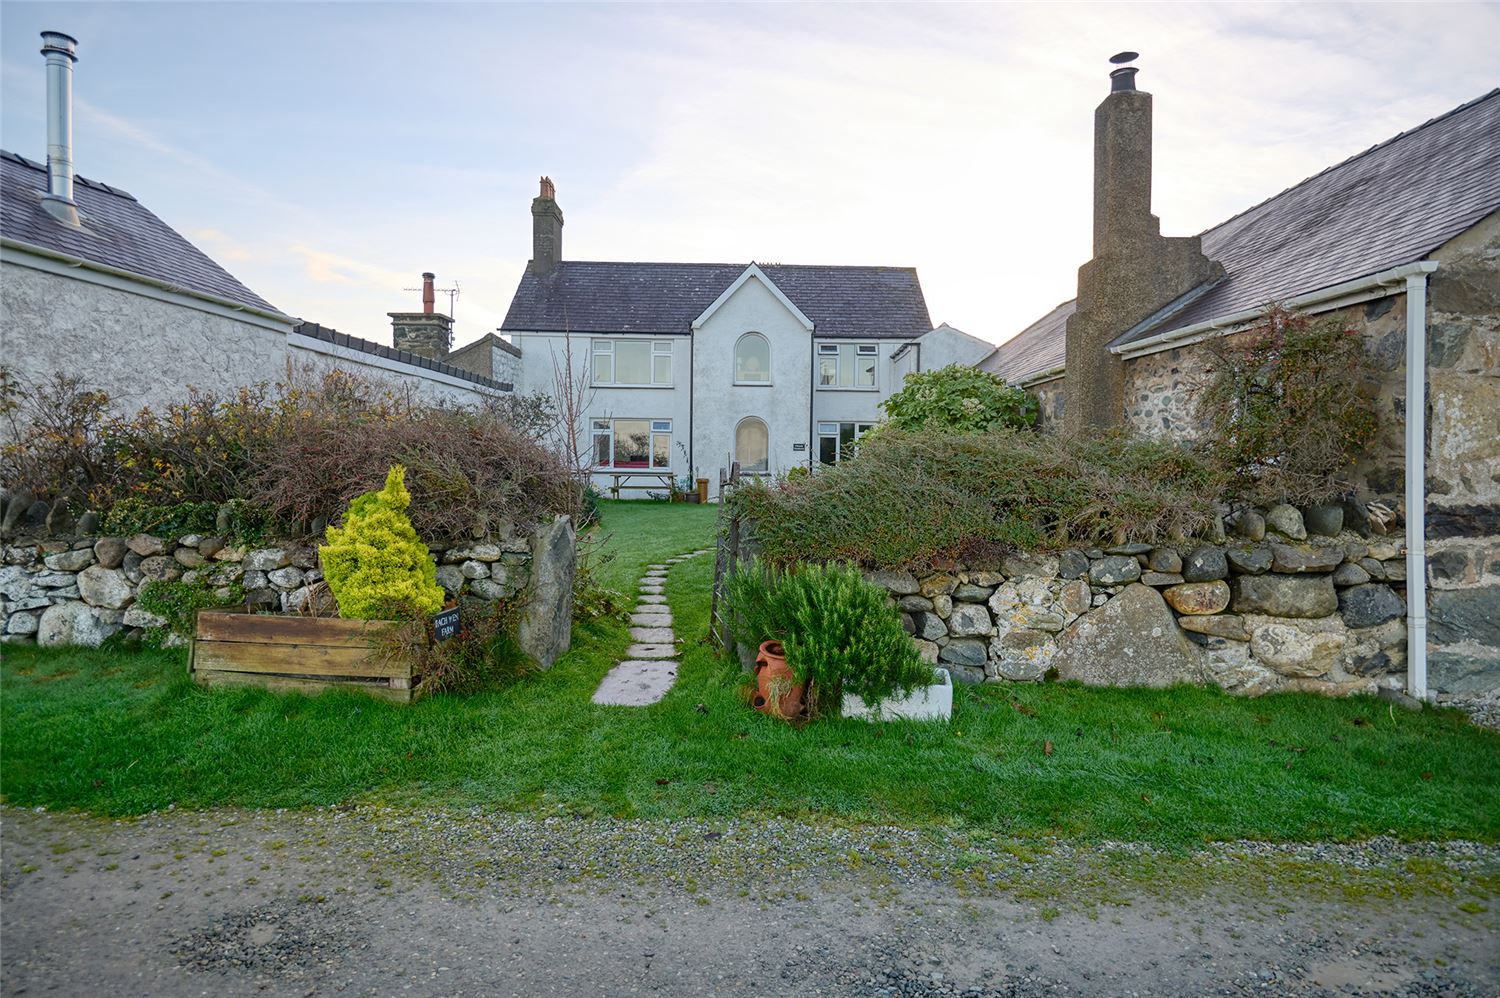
1286	602
82	589
1463	443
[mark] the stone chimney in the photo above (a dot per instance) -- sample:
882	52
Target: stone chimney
428	333
546	230
1135	271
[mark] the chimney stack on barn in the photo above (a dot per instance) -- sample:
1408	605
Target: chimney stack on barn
546	230
1135	271
428	333
61	52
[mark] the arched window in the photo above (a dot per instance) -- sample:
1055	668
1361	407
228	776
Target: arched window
752	360
752	446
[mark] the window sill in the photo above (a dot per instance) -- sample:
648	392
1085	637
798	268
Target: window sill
836	388
597	385
752	384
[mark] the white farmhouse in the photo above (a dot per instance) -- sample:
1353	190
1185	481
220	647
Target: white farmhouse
687	368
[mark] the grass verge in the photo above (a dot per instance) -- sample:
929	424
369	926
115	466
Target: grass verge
123	732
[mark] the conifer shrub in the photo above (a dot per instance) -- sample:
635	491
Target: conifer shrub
375	564
841	633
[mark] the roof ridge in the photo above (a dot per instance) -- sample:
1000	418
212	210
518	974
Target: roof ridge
742	266
97	185
1359	155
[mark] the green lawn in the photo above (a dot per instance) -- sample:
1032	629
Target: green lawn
120	732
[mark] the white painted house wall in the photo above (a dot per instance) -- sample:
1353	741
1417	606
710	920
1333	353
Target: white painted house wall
721	404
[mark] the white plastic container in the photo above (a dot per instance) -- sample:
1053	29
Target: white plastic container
925	703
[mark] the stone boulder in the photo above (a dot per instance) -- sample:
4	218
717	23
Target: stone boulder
1287	521
546	627
69	561
1296	651
1021	654
1114	570
969	620
145	545
1293	558
73	624
900	583
1285	595
1133	640
1205	564
1248	560
1325	520
1198	597
110	551
1370	604
105	587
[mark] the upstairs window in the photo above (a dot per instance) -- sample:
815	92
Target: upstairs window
847	365
633	363
752	360
632	443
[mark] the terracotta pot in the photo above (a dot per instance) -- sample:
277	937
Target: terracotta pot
777	692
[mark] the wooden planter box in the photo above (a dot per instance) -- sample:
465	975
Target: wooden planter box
291	654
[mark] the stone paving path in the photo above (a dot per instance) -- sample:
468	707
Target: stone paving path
650	665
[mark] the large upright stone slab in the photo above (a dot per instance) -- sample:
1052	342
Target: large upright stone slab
1133	640
546	626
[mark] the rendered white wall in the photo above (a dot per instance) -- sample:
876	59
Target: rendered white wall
138	349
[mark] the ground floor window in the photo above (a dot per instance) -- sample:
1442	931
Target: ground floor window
632	443
836	440
752	446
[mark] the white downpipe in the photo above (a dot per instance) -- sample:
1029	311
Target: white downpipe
1416	486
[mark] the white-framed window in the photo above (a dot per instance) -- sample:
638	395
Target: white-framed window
632	443
752	360
836	440
752	446
847	365
633	363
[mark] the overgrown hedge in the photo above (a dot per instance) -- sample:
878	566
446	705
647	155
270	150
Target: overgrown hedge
911	498
280	456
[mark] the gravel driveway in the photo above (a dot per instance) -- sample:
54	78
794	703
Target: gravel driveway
380	901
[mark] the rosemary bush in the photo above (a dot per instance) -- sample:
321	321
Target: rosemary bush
840	632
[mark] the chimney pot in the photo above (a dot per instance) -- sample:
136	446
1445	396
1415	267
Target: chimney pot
546	230
1122	79
429	296
61	51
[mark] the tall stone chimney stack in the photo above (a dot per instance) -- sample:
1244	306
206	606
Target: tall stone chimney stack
1135	271
546	230
428	333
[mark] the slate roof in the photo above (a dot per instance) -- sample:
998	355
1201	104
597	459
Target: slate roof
1037	348
1392	204
118	231
664	298
381	350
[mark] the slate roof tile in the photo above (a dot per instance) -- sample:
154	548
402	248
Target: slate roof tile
118	231
664	298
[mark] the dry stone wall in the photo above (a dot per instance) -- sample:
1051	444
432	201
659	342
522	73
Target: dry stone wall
81	590
1284	601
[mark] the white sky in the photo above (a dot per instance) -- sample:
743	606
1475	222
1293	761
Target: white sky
327	154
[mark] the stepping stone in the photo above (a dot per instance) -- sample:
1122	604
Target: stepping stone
636	684
658	576
657	568
651	651
651	619
652	635
652	590
652	599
